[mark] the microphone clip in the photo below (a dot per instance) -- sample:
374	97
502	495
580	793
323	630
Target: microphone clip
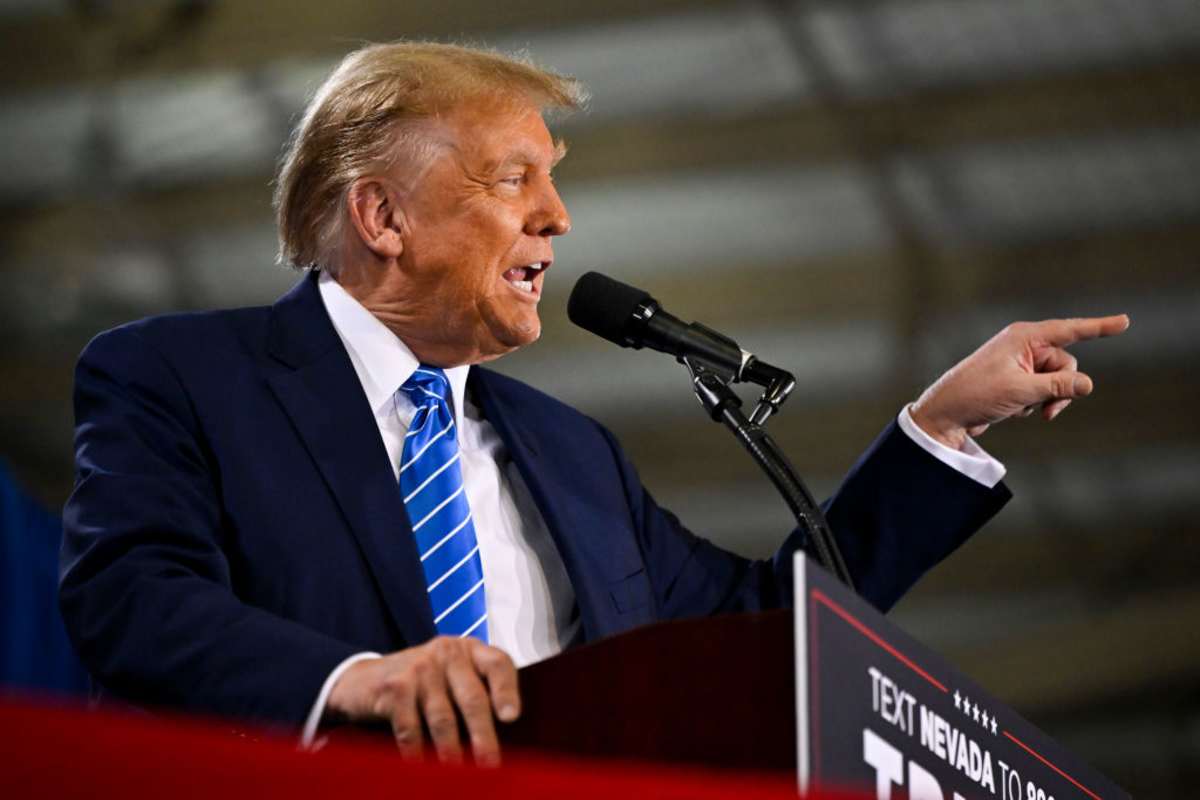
711	385
777	383
711	382
777	387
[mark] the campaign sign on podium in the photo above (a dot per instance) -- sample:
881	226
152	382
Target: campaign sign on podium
875	708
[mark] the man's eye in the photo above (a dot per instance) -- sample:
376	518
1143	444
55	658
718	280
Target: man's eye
513	180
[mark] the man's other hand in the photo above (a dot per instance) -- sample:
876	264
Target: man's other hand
1019	370
427	688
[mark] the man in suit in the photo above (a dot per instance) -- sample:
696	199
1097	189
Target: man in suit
326	509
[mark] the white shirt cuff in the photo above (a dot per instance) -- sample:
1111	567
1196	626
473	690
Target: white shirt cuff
309	733
972	461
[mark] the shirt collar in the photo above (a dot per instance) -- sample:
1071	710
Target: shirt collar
381	360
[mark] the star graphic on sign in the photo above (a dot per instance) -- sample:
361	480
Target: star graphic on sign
985	719
966	707
957	699
993	724
975	712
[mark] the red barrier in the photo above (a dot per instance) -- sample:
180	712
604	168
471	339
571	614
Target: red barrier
61	751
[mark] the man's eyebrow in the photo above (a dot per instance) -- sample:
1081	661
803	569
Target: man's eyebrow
526	158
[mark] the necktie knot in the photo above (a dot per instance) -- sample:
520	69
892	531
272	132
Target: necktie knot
425	384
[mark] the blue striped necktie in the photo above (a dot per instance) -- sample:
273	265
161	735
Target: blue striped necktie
434	495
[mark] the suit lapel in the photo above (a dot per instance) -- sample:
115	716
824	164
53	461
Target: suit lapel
594	559
321	394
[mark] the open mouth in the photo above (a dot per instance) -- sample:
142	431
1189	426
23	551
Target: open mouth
521	278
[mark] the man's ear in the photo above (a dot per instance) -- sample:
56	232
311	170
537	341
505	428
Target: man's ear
374	207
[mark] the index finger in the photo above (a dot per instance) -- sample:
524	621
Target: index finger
1062	332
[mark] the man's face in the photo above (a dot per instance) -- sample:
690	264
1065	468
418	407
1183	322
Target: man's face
478	234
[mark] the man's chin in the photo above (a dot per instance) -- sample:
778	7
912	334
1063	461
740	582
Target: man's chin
505	339
520	336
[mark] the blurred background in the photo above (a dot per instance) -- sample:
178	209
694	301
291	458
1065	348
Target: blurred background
862	192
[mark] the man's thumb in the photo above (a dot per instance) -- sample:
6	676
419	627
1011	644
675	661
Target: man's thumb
1065	384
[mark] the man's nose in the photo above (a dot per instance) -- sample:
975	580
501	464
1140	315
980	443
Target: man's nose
551	218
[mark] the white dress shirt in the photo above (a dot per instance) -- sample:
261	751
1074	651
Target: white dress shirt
530	602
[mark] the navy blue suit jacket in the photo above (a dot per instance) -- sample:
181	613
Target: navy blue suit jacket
235	529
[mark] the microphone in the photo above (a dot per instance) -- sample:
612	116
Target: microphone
630	317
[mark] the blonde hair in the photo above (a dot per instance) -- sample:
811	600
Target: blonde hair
367	115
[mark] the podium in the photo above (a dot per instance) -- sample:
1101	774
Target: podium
833	693
715	691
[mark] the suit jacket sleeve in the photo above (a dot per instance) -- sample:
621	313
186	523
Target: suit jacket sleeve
898	512
145	588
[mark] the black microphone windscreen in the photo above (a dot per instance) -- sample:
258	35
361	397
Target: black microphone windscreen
604	306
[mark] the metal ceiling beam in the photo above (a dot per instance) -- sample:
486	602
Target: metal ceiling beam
1097	102
137	39
1093	101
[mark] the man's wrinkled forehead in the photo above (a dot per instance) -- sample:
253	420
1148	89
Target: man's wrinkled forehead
493	139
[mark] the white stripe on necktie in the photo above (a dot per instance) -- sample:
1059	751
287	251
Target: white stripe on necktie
421	452
447	537
441	505
450	571
431	477
458	602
